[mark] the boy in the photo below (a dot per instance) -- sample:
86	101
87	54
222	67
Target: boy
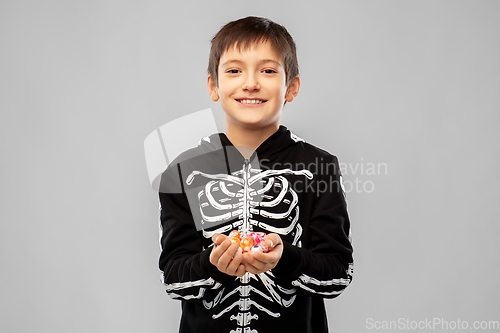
260	178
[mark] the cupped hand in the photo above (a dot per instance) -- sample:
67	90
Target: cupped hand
225	256
259	262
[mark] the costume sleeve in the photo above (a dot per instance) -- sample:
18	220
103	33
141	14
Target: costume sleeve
325	267
186	270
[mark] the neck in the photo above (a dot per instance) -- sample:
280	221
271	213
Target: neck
249	137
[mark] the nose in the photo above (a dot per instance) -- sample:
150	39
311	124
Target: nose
251	83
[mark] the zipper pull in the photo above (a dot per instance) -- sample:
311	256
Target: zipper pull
246	165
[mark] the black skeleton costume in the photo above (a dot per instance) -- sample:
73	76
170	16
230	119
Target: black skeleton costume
288	187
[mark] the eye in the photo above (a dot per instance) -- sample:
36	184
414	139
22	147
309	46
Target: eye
232	71
269	71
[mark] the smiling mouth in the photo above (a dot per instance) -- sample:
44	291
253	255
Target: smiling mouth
251	101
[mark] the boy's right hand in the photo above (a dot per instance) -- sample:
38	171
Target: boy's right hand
225	256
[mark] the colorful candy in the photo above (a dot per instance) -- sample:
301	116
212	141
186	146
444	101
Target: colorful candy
249	242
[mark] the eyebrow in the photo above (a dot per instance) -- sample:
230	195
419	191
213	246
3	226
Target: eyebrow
260	62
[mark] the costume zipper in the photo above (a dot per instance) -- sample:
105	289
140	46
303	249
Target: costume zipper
246	209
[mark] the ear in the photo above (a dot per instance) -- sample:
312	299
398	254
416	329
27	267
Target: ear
293	90
212	89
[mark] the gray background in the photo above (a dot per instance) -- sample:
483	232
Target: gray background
412	84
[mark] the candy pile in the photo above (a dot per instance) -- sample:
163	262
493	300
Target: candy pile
249	242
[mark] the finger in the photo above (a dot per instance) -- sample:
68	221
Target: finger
262	260
254	270
217	239
234	264
255	266
218	251
272	240
227	256
241	271
271	256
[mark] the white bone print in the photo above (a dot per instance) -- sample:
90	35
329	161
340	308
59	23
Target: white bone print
245	196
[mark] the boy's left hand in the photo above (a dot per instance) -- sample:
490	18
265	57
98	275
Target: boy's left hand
262	262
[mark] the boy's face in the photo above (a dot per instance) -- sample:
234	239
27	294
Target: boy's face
252	87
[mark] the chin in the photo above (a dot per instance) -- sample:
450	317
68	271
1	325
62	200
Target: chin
253	121
255	125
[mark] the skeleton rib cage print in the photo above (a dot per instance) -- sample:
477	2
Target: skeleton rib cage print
250	199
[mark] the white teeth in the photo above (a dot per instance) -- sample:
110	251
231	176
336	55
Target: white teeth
251	101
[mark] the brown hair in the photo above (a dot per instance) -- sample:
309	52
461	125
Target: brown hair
247	31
